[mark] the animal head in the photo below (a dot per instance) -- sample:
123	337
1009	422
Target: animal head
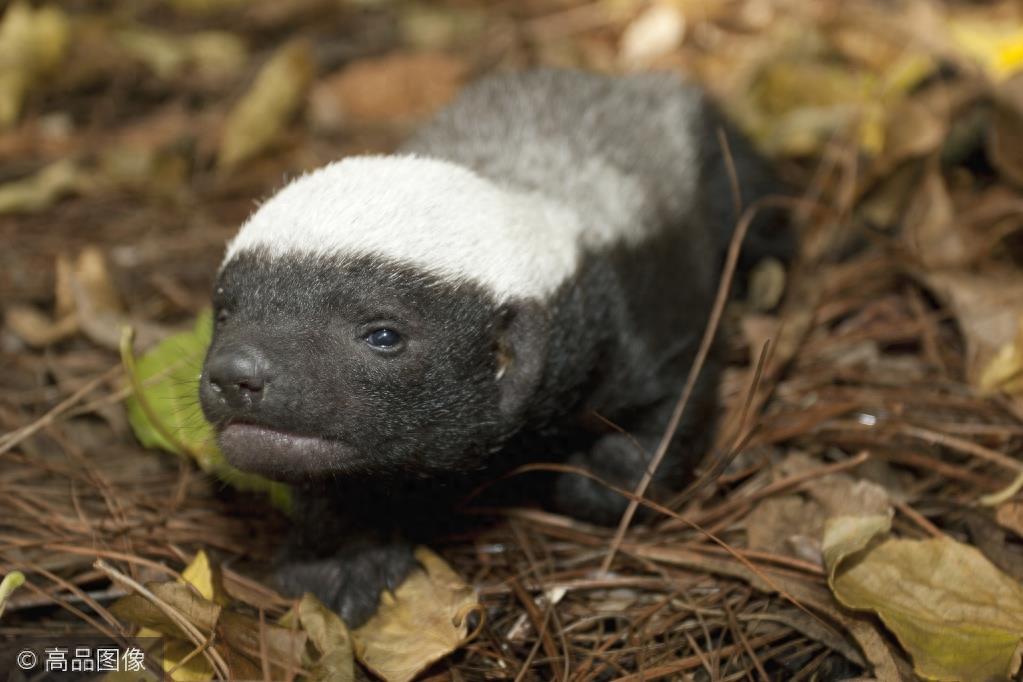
381	316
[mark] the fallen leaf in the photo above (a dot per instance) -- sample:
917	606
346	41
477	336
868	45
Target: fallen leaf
330	636
657	31
801	103
424	620
36	328
767	284
426	26
42	190
885	202
775	520
986	305
32	45
239	638
11	582
1010	515
199	612
213	55
799	90
958	616
794	524
164	411
398	88
913	128
1005	134
202	575
98	307
996	45
178	658
930	229
1004	373
277	93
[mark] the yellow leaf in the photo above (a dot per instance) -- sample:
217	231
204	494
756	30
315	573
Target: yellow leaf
201	575
958	616
1004	372
262	113
423	621
996	46
32	44
330	636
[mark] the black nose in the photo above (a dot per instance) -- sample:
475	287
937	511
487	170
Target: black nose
238	375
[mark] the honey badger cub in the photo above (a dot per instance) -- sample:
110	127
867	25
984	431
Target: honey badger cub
393	330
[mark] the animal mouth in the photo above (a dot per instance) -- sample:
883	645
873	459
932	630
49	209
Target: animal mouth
282	455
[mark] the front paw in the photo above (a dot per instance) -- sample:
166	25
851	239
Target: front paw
351	581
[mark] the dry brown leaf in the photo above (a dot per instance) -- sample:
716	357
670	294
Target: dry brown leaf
423	621
794	524
137	609
912	129
885	203
177	655
239	638
1005	134
277	93
91	275
40	191
37	329
1010	515
986	305
85	286
398	88
772	524
930	229
98	307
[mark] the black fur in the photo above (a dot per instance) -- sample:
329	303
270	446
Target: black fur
383	445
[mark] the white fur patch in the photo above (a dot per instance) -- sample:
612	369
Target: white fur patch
428	213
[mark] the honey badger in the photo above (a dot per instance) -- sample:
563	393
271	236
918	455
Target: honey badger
392	330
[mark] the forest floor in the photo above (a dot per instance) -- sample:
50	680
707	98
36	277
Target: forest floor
860	514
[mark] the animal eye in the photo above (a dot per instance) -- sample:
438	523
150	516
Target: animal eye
222	316
384	339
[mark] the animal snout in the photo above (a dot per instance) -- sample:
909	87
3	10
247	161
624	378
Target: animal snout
238	375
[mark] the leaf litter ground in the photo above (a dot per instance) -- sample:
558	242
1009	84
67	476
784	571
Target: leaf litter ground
872	419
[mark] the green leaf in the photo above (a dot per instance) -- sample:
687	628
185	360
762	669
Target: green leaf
11	582
958	616
164	409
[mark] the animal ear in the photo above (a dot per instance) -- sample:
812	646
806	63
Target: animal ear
521	354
